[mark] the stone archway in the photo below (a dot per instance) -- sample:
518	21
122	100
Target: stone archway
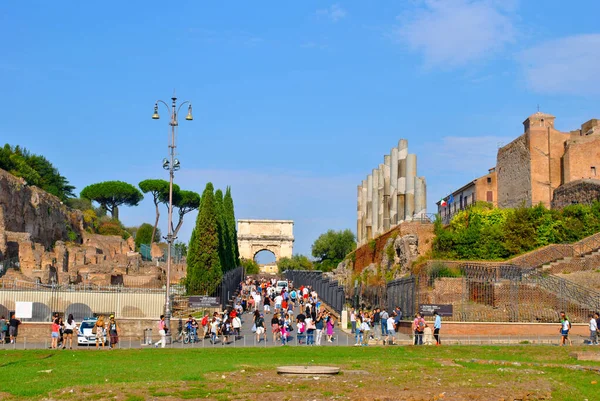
276	236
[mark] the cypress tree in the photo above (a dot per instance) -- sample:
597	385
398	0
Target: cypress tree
224	246
231	224
204	271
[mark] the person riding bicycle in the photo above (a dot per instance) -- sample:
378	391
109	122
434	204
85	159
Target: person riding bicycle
192	327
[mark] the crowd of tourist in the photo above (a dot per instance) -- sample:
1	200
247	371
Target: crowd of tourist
274	311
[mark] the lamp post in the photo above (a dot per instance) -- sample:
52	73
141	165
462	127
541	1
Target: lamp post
171	164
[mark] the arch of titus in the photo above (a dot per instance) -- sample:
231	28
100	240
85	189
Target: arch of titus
391	194
276	236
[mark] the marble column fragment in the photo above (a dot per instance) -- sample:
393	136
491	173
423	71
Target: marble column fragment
363	196
359	215
375	202
381	205
387	160
401	186
422	201
369	232
394	187
419	195
411	173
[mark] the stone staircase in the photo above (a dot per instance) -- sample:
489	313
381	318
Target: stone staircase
571	264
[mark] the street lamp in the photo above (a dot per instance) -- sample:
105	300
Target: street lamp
171	164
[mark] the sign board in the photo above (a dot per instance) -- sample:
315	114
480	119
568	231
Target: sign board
24	310
202	301
442	310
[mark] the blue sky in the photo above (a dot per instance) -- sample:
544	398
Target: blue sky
294	102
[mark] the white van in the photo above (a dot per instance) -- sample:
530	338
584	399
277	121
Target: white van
281	284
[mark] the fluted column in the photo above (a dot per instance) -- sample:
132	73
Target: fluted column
411	173
394	187
369	233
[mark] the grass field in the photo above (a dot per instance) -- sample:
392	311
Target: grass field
373	373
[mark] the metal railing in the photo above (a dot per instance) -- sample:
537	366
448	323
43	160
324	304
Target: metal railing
327	289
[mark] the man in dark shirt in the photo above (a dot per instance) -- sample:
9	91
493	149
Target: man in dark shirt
13	328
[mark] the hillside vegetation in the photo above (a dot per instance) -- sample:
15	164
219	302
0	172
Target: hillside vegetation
486	233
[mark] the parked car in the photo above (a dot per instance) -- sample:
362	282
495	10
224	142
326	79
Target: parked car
85	335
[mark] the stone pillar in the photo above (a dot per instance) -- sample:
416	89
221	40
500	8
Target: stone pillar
394	187
359	215
411	173
401	186
381	206
419	197
387	160
375	202
369	222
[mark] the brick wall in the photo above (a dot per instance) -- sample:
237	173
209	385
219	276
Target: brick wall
501	329
581	154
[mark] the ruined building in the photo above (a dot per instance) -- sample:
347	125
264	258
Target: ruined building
543	165
391	194
534	165
44	241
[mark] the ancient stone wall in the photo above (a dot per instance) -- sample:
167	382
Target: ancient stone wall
581	192
28	209
514	174
368	254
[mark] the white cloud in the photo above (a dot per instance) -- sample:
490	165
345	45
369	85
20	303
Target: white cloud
453	33
334	13
564	66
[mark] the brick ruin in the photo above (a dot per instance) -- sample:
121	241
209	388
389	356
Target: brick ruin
51	244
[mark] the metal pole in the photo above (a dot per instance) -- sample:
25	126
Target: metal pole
173	124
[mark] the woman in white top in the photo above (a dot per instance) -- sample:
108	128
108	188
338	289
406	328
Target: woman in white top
70	328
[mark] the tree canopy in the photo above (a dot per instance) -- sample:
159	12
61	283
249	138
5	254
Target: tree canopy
112	194
185	202
144	233
35	170
296	262
332	247
159	190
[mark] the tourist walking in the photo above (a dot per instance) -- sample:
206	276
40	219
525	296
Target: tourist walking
565	326
3	329
55	328
99	330
437	325
113	331
259	322
70	328
418	328
162	332
365	329
319	325
383	317
593	331
358	332
391	330
13	328
330	327
352	321
275	328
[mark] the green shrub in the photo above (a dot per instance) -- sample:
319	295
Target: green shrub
485	233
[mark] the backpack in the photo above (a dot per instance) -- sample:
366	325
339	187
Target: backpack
204	321
421	325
